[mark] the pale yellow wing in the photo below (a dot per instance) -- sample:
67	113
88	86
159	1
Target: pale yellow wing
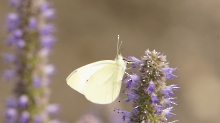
104	86
77	79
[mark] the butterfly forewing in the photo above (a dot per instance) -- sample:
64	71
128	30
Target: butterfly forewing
104	86
77	79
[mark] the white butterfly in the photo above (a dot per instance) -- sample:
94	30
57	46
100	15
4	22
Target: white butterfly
100	81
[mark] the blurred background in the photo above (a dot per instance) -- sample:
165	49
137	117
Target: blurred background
187	31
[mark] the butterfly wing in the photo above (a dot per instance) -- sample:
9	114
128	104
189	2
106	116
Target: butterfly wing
104	86
77	79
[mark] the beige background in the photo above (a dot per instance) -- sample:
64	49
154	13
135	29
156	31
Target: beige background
187	31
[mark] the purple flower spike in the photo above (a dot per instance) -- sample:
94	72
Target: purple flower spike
151	87
12	21
148	91
24	117
154	98
169	72
23	100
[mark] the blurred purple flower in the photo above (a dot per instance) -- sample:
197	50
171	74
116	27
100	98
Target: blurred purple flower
8	58
36	82
53	108
22	101
12	21
14	3
11	115
11	102
32	23
25	116
8	74
30	33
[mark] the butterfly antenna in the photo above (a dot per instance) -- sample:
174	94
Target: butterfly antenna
118	45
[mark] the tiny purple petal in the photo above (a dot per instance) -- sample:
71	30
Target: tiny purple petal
23	100
24	117
130	96
131	80
158	109
135	61
126	113
127	80
169	72
167	112
151	87
154	98
135	77
168	90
